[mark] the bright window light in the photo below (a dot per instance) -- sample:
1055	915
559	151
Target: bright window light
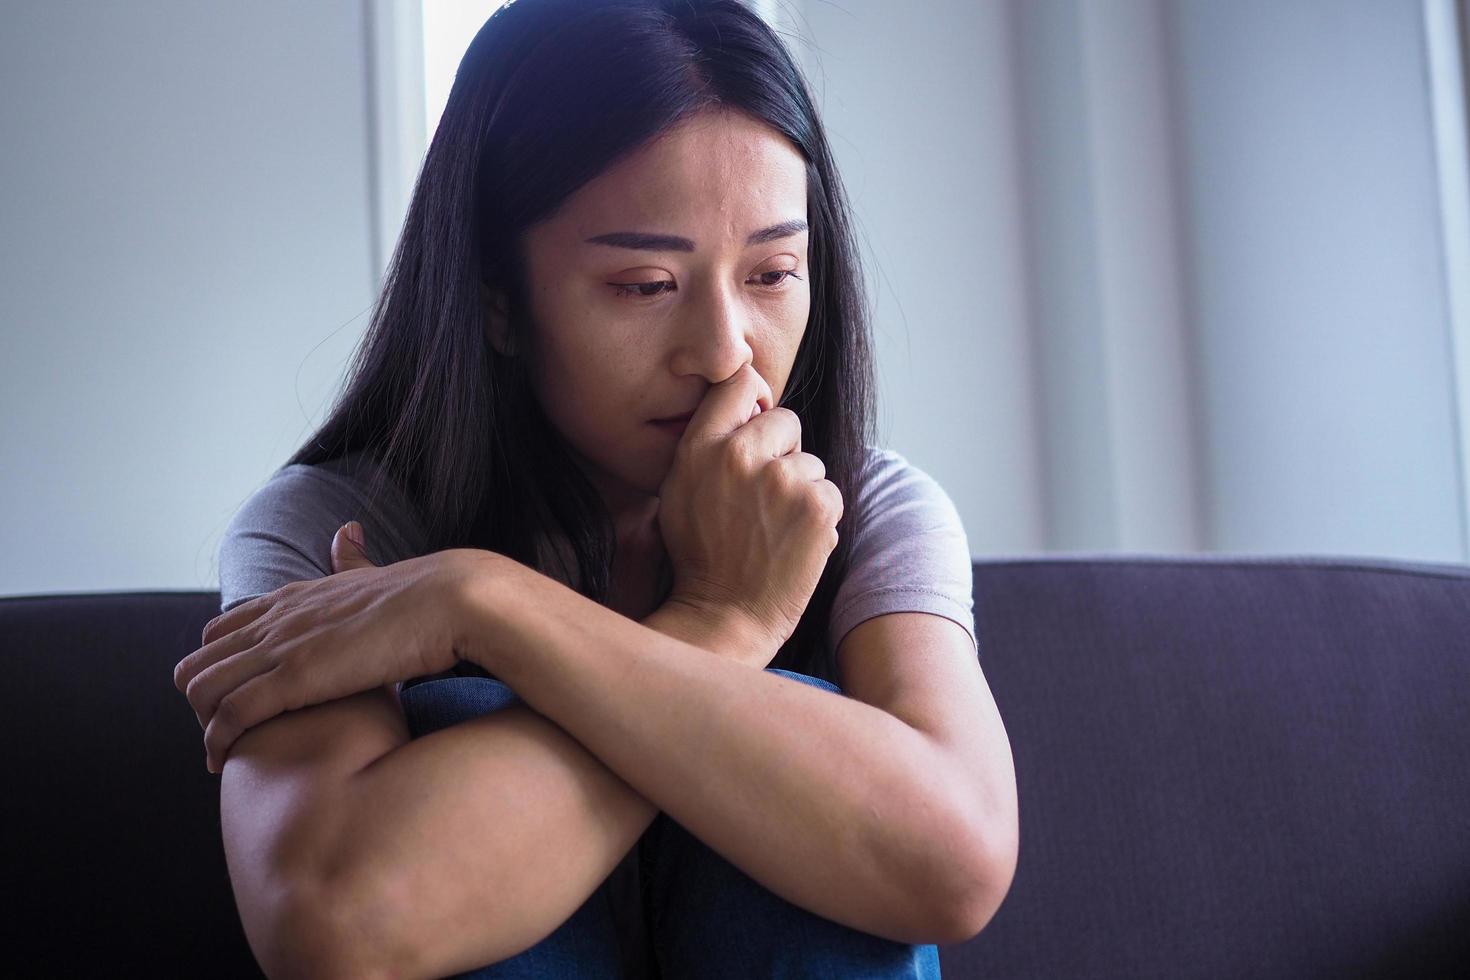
449	27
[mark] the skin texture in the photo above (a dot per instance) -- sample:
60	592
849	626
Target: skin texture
605	361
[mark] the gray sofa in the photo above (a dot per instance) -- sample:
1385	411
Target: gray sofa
1228	767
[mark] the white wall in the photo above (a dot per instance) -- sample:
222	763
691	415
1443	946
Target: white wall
1104	230
184	268
187	259
1233	283
919	109
1319	301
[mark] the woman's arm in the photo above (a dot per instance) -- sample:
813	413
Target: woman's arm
834	804
472	843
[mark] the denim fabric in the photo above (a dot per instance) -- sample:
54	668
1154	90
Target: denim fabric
707	918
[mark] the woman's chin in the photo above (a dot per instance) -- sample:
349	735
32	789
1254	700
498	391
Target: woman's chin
626	489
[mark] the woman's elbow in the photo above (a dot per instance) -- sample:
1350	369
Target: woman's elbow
312	940
985	887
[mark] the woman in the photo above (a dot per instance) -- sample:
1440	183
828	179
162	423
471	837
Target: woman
517	733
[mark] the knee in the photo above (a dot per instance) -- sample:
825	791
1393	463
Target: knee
438	702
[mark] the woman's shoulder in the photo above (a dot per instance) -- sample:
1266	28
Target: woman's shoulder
891	487
283	531
910	552
356	481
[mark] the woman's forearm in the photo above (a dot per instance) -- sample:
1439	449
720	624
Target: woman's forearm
474	842
831	803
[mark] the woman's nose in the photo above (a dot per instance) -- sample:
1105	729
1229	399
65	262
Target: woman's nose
712	340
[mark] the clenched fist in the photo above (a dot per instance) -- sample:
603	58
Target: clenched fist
747	518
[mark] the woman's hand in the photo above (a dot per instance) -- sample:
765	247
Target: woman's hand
747	518
314	641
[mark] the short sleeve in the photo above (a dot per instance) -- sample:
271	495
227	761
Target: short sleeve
911	553
283	532
270	542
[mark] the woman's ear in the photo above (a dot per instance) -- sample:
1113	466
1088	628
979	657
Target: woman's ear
497	320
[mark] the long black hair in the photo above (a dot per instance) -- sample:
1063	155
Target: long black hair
547	96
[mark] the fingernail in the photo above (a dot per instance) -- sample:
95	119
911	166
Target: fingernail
354	531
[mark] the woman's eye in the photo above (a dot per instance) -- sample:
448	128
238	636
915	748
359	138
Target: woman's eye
785	274
648	290
644	289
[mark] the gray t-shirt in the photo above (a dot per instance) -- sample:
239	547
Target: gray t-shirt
912	557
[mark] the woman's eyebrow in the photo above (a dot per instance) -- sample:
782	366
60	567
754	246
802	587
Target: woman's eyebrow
673	243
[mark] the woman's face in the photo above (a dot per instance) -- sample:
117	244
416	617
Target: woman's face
660	278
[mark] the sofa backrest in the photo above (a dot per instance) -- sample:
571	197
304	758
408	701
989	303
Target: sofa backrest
121	866
1227	767
1231	767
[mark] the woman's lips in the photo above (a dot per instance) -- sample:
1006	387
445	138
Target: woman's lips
675	428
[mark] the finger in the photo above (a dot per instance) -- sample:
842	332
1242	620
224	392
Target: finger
347	554
730	404
213	684
802	467
341	546
245	707
217	629
774	434
837	506
225	643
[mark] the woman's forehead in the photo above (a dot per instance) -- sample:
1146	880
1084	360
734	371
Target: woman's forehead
712	180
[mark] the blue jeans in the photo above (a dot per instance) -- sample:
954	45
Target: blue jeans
707	918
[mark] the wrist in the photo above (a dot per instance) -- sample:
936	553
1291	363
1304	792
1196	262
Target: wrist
476	581
719	629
